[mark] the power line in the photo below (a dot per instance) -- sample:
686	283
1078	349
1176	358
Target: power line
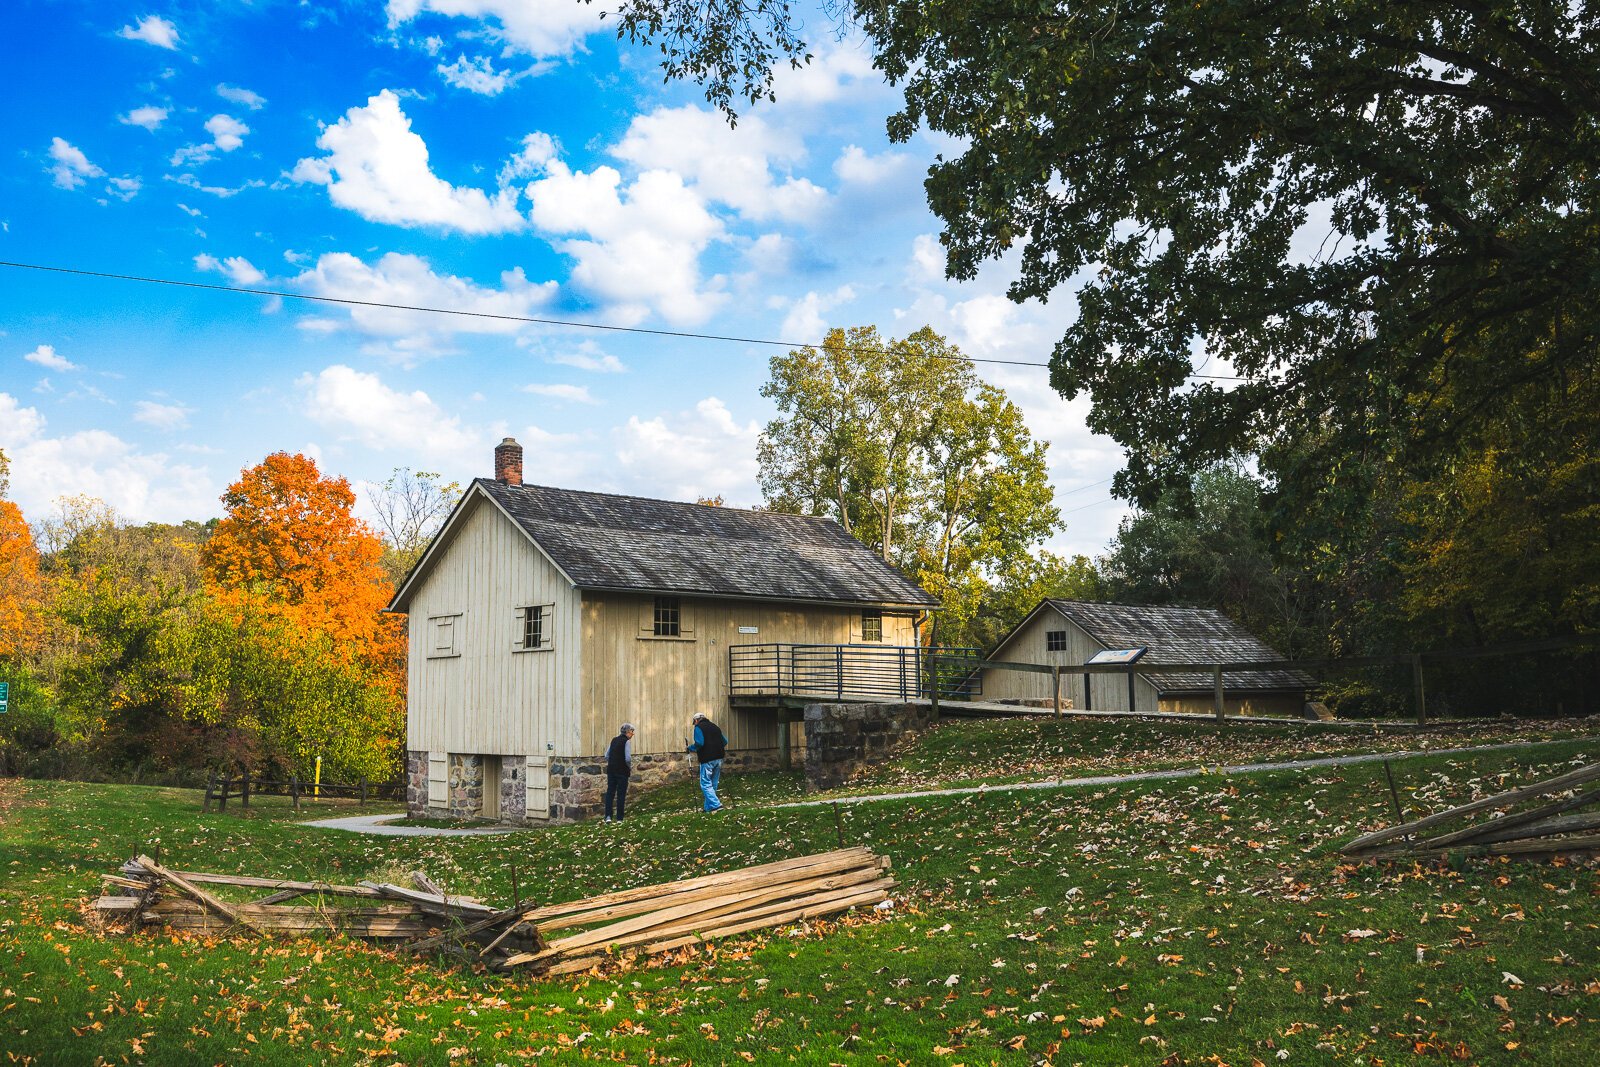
497	316
1082	488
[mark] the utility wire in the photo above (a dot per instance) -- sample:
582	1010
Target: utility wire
532	319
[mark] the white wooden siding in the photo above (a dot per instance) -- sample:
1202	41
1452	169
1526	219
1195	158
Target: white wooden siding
1110	691
629	675
488	699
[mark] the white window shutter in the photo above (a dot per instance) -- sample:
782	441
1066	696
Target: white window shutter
516	627
685	616
547	634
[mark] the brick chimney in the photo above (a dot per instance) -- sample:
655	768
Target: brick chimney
508	462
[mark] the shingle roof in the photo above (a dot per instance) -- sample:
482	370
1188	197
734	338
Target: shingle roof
1183	635
601	541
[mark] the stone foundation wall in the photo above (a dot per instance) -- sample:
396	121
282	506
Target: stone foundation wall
416	784
465	785
841	739
578	783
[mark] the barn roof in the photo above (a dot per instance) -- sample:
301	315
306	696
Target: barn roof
601	541
1183	635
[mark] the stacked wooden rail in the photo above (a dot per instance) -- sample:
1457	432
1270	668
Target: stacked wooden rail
550	940
1552	826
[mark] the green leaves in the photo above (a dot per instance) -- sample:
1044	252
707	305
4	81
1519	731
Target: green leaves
901	443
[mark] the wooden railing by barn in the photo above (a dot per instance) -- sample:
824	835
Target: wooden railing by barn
852	673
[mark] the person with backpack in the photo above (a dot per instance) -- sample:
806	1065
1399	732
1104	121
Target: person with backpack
619	768
710	745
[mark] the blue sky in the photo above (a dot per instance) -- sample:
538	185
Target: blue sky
493	155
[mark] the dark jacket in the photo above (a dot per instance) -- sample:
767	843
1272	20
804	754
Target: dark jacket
617	756
713	746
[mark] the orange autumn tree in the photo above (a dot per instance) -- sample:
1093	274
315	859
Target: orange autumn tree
21	588
292	546
302	579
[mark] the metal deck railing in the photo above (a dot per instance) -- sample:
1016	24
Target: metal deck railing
852	672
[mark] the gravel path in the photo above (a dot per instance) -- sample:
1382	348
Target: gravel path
378	824
1182	772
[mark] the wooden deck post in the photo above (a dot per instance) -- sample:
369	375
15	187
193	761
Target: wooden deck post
1419	694
1216	693
785	761
1055	688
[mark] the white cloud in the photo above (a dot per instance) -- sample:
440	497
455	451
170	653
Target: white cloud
640	245
576	394
732	166
477	75
588	356
47	356
405	279
377	167
226	131
361	407
148	117
161	416
538	149
856	166
140	486
243	97
192	212
71	165
833	75
927	259
124	188
152	29
986	323
804	323
545	29
704	452
237	269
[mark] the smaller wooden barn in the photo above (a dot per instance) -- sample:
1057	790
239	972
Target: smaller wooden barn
1069	633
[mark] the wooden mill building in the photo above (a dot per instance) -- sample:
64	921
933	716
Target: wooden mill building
1068	633
541	619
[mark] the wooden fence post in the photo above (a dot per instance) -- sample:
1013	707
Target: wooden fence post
211	785
1418	693
1216	693
222	801
294	790
244	788
1055	688
363	790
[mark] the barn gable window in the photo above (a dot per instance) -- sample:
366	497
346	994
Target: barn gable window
1055	640
533	630
872	626
668	616
444	636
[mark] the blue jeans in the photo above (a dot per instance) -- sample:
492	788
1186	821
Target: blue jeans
710	778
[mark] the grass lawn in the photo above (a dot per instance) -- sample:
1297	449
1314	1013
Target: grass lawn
1201	922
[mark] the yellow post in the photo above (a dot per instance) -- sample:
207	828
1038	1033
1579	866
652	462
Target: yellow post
316	783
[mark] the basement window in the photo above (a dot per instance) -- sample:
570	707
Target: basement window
1055	640
668	617
872	626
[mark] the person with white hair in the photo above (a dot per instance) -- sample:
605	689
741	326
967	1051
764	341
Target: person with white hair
619	768
710	745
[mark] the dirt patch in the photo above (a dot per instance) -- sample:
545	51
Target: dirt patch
13	798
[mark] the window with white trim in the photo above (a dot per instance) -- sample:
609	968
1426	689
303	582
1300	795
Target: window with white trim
533	628
872	626
668	616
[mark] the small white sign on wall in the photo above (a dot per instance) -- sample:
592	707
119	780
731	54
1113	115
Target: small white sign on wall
749	629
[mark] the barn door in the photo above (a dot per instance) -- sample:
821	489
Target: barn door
537	782
491	787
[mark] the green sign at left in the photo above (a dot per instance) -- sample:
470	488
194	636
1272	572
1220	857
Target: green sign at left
5	696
